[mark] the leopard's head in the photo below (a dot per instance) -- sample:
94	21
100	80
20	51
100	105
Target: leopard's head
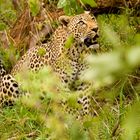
83	28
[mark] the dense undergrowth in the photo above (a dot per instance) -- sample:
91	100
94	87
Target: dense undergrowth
115	71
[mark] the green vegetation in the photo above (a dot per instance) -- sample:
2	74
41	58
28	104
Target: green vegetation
114	70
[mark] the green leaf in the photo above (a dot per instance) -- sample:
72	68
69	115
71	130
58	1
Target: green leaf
2	26
34	7
62	3
41	51
88	123
72	101
70	7
69	41
131	123
92	3
137	39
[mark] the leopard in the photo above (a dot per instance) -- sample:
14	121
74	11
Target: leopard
2	70
75	38
9	87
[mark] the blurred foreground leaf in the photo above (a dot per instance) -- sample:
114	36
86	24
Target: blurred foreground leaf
131	123
107	67
92	3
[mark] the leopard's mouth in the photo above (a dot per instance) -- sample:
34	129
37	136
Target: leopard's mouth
91	42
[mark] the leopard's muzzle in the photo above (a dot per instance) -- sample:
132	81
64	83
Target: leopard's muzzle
91	40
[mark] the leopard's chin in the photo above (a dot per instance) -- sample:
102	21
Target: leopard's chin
94	46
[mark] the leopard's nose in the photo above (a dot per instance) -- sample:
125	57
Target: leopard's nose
95	29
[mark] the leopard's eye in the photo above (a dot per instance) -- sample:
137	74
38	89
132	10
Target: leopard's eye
81	22
93	18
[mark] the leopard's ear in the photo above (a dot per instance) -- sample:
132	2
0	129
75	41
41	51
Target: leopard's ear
64	20
87	12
